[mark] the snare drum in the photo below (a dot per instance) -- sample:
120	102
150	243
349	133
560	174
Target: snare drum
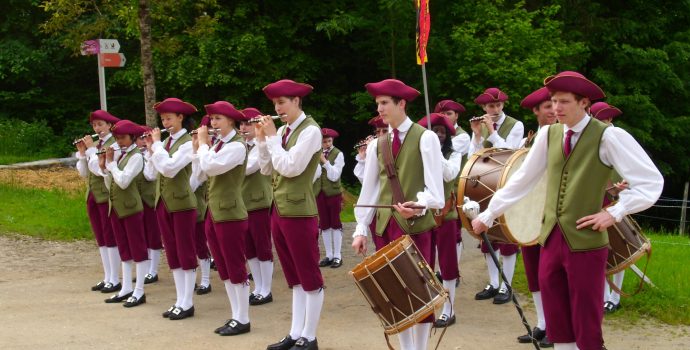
399	285
486	172
627	244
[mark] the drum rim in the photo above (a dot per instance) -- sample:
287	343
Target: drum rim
360	272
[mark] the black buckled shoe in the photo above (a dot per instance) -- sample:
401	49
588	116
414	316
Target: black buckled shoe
203	290
235	328
133	301
98	286
337	262
178	313
109	288
118	299
444	321
252	296
610	307
503	296
260	299
167	312
284	344
325	262
546	343
487	293
149	278
304	344
225	325
537	333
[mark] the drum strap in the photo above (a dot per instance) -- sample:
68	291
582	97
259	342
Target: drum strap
384	144
639	287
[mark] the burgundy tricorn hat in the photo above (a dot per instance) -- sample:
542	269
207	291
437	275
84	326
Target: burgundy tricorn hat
377	122
287	87
569	81
104	116
393	88
536	98
174	105
251	112
326	132
438	119
491	95
205	120
225	108
127	127
449	105
604	111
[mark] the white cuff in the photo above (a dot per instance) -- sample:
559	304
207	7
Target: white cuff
360	230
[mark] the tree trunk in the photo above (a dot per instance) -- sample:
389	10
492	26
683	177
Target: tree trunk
147	62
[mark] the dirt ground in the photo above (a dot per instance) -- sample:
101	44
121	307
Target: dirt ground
46	303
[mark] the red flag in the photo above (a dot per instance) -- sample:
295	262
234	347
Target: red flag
423	26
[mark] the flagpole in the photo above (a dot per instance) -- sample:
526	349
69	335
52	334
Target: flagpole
426	97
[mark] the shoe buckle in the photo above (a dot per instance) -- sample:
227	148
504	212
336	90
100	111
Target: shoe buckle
233	324
131	299
177	311
300	342
444	317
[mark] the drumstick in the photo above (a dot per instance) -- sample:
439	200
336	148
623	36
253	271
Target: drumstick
386	206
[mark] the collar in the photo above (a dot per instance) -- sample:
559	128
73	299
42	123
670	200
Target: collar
250	142
106	137
297	122
455	126
579	126
328	149
130	148
501	119
404	127
229	136
179	134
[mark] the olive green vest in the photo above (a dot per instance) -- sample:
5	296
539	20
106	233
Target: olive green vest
410	170
201	203
126	201
176	192
256	189
97	183
449	187
575	186
294	196
329	188
225	191
503	130
147	190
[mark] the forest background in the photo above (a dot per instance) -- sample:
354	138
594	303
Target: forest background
204	51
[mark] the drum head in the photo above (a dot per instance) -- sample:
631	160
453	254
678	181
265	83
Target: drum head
524	219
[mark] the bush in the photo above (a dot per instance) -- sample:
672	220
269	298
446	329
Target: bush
22	141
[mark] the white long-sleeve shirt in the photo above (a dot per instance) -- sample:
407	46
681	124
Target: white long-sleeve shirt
432	197
359	168
150	172
124	177
89	162
333	171
231	154
618	149
252	159
272	155
511	141
170	166
461	142
451	166
198	177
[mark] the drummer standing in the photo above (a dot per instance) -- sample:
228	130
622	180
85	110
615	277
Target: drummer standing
417	155
496	129
292	154
540	103
578	156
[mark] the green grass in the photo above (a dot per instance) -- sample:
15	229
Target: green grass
55	215
11	159
669	270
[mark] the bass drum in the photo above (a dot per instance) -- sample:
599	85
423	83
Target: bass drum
486	172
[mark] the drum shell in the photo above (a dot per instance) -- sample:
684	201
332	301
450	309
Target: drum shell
627	244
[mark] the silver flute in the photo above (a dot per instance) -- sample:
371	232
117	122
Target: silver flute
147	134
274	117
93	136
211	131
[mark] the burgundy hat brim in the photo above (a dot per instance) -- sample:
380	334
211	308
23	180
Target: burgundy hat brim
574	82
100	114
604	111
126	127
377	122
326	132
225	108
251	112
438	119
491	95
536	98
449	105
174	105
288	88
393	88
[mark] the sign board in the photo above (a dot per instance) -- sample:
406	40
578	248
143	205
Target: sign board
90	47
109	45
111	60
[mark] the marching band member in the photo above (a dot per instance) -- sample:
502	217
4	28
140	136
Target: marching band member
257	195
176	207
578	156
418	153
540	103
612	299
97	199
148	183
226	224
329	199
292	155
496	129
127	217
199	185
444	236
